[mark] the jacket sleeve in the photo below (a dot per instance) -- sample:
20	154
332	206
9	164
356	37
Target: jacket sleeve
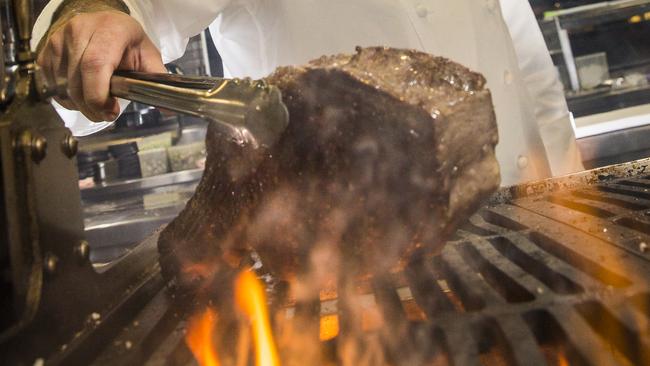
171	23
544	87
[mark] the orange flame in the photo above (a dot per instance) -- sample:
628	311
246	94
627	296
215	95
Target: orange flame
562	360
199	337
329	327
250	297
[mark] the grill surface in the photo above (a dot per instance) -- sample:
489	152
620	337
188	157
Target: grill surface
561	277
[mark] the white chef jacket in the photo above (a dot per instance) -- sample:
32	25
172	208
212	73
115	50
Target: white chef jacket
555	123
255	36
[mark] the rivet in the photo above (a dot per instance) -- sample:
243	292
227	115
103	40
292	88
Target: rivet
51	263
82	251
421	11
35	142
39	148
69	146
22	140
508	78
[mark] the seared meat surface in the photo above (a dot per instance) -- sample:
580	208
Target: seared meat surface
386	153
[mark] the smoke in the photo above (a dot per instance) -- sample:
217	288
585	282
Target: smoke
382	159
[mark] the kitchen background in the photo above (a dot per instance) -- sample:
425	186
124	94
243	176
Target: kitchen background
138	174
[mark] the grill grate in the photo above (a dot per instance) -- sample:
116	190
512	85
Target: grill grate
551	279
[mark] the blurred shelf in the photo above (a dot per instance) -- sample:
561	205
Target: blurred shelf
107	191
606	99
605	12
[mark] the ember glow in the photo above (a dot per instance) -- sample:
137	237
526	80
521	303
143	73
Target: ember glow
199	337
251	300
329	327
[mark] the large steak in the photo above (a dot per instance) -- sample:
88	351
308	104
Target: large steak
387	152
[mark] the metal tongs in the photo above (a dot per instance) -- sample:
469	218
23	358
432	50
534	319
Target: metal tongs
251	112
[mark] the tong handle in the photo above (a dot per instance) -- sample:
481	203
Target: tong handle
182	81
249	111
167	91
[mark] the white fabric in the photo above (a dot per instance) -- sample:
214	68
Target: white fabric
544	87
255	36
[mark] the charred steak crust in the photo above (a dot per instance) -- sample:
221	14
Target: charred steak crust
387	151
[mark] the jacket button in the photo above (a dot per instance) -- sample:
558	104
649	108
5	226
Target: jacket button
522	162
421	11
491	5
508	78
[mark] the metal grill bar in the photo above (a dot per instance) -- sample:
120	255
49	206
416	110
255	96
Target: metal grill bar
620	200
559	266
467	283
642	302
139	338
579	337
426	290
619	329
525	349
463	349
629	191
561	274
536	275
493	274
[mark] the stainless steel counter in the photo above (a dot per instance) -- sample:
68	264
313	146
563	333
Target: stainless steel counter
119	216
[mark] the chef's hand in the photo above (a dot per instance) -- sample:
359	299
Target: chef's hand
85	49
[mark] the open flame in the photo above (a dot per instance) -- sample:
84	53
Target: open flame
329	327
251	300
199	337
